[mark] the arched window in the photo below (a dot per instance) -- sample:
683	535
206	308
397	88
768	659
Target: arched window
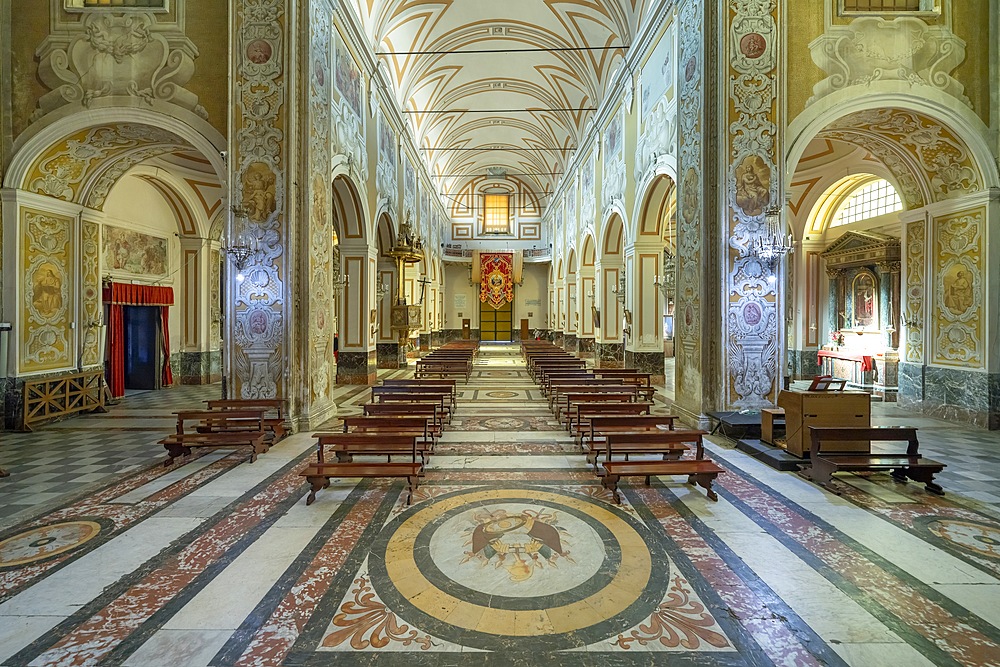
871	200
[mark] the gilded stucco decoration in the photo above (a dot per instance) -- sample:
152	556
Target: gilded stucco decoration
905	49
690	249
320	210
117	55
588	199
47	252
259	127
916	234
388	159
614	179
751	322
959	289
91	293
215	299
658	107
82	167
930	149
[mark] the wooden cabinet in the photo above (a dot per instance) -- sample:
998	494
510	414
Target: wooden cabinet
823	408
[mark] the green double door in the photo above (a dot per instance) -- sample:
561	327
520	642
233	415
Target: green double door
496	323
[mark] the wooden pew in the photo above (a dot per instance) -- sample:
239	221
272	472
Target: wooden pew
318	475
441	399
451	385
433	390
276	425
581	386
702	473
622	395
902	466
348	445
601	425
228	429
391	424
443	368
430	411
580	421
670	444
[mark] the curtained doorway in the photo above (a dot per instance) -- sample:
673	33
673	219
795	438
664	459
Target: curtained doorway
143	347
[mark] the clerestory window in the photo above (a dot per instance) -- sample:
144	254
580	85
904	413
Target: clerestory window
496	213
848	7
869	201
148	5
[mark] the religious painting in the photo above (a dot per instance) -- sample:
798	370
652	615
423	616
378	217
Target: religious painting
657	77
497	283
753	185
864	296
259	192
387	144
409	179
47	290
129	251
958	290
613	137
347	78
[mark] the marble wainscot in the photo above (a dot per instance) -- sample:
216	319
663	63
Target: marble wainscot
390	355
197	367
608	355
424	342
357	367
557	338
646	362
586	348
957	395
570	343
804	364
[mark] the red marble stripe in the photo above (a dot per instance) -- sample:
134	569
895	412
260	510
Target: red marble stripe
771	633
93	639
935	623
279	632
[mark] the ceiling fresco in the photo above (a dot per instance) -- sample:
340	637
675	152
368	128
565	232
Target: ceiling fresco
507	85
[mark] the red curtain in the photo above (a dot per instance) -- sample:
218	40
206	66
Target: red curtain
117	295
116	351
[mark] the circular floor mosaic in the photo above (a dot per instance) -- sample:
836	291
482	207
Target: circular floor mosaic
505	424
501	394
518	569
45	542
981	538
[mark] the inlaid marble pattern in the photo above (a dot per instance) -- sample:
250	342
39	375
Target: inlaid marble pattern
511	553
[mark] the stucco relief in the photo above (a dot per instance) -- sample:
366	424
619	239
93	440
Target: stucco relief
259	140
751	324
62	170
614	178
958	289
47	260
691	17
944	158
91	302
109	54
905	49
388	159
588	200
658	138
913	314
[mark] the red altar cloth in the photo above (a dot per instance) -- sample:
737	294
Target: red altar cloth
867	361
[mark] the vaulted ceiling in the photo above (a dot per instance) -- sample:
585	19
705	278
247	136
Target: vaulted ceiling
507	84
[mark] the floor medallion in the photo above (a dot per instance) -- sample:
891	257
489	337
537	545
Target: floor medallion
980	538
44	542
519	569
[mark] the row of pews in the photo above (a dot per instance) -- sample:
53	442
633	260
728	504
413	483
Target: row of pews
404	418
609	414
453	359
228	423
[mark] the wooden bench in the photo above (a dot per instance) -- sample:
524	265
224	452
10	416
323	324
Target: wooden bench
574	399
433	368
580	421
429	411
576	373
440	383
421	425
702	473
670	444
441	400
348	445
229	429
577	387
600	425
276	425
910	465
629	376
433	391
318	475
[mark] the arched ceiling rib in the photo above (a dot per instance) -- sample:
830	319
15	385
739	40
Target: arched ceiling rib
509	85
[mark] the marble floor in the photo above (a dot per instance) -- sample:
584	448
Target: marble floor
511	553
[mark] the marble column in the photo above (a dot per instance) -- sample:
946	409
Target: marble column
586	348
646	362
609	355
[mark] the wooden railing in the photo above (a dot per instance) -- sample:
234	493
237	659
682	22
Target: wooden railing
54	397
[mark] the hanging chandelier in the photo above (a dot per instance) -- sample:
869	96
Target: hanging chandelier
772	244
245	245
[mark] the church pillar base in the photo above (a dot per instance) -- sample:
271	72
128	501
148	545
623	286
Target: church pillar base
952	394
586	348
570	343
646	362
805	364
196	367
424	342
608	355
390	355
357	367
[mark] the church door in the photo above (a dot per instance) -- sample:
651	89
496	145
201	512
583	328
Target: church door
495	323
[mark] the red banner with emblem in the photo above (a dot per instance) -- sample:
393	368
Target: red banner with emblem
496	285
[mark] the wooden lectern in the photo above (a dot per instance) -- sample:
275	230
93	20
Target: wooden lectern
823	408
